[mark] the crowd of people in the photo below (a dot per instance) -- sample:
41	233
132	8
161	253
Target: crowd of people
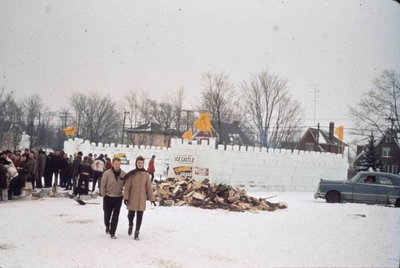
21	170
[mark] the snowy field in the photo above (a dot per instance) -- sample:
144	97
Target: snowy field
57	232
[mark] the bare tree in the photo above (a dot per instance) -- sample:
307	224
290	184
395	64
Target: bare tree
133	107
11	112
270	109
33	108
99	119
178	107
379	108
218	98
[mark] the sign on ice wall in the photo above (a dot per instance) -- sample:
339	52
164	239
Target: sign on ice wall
186	161
275	170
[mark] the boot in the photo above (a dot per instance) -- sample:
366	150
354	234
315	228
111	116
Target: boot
130	230
107	229
136	235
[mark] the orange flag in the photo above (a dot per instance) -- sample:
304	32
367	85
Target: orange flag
203	122
339	132
188	135
70	131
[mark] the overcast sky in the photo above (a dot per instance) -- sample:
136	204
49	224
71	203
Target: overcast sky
338	47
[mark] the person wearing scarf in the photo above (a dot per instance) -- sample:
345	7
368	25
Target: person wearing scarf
137	187
112	184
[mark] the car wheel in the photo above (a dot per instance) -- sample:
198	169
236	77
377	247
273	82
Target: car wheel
397	205
333	197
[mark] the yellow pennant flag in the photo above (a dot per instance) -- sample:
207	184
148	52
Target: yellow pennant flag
339	132
70	131
188	135
203	122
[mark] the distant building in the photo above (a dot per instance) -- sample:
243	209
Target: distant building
388	149
231	134
318	140
151	134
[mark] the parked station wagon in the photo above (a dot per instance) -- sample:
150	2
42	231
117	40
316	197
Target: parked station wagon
364	187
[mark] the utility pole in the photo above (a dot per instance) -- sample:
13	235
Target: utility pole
79	124
315	92
123	127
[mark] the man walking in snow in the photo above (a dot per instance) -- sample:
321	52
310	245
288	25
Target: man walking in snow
111	190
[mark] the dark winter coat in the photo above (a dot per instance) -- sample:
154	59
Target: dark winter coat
85	169
48	166
3	177
56	163
63	163
75	166
31	169
67	172
41	163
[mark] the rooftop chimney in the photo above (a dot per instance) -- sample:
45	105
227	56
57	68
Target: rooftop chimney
331	130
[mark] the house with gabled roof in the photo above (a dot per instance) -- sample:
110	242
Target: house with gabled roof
388	149
318	140
231	134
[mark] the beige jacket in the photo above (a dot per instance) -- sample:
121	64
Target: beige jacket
137	187
109	184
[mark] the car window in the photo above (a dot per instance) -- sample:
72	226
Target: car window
367	179
384	180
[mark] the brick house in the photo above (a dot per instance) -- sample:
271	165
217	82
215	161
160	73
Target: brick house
318	140
388	149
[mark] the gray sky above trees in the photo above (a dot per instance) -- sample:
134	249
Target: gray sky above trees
337	47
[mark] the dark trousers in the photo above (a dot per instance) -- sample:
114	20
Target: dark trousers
139	218
68	183
14	187
152	176
47	180
111	207
83	179
62	179
39	180
96	177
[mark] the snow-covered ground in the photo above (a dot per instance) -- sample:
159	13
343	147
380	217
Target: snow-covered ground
57	232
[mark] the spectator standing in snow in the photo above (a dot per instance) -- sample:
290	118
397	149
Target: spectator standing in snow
31	169
108	163
56	166
67	173
41	164
85	173
150	168
63	166
75	175
111	190
137	187
98	167
48	170
3	179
